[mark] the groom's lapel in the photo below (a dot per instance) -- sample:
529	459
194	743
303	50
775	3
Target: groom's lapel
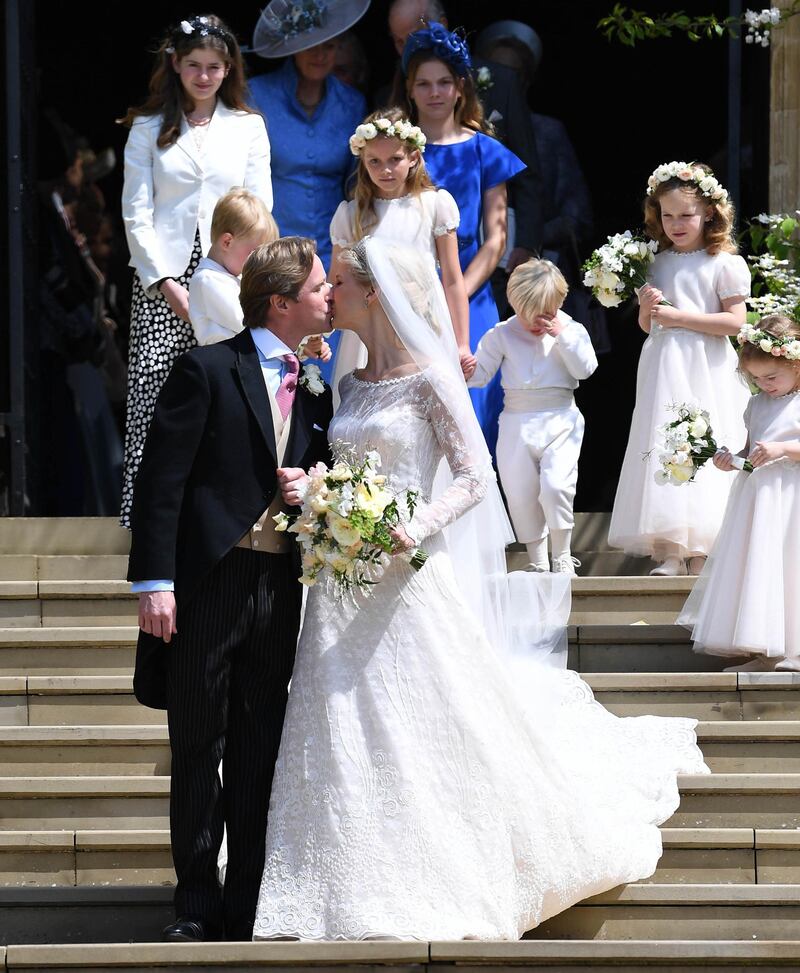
302	424
255	392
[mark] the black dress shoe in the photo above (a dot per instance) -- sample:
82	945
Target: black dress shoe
189	929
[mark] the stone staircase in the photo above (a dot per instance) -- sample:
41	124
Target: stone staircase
85	868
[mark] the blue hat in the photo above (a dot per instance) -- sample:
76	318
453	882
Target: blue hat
443	44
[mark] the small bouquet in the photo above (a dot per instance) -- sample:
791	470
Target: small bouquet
618	268
688	443
344	526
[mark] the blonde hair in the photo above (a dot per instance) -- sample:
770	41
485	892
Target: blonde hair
717	233
281	267
777	325
243	214
418	180
535	287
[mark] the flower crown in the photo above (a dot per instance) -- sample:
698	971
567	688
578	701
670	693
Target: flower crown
200	26
402	130
443	43
788	348
687	172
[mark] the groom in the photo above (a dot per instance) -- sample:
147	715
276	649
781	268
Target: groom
219	603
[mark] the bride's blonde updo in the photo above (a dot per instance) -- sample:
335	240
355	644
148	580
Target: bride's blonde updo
414	273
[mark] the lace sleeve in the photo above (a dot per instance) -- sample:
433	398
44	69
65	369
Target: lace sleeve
470	475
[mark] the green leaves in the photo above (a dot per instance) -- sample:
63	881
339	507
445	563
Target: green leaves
628	26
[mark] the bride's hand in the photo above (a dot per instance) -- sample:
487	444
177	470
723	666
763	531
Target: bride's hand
401	542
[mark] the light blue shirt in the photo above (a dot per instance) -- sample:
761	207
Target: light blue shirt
310	157
270	350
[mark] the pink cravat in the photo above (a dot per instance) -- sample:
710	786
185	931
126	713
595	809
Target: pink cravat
285	394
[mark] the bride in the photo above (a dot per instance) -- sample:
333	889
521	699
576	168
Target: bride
436	779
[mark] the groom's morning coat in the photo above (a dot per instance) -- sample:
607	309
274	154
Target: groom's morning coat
208	472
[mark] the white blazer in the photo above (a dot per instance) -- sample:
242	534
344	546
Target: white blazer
169	192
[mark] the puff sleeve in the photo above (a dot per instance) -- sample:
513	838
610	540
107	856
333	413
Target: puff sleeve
733	277
446	214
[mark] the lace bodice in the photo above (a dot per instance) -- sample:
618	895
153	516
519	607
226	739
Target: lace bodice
408	422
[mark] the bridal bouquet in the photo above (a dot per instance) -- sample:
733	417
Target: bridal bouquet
687	444
618	268
344	526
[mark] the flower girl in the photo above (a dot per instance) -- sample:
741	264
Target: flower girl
747	600
395	199
542	354
687	357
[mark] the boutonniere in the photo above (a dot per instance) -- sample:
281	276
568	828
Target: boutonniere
311	379
484	79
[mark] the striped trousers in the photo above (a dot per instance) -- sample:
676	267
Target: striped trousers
228	671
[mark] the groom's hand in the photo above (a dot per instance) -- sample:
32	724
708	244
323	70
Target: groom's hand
293	483
157	614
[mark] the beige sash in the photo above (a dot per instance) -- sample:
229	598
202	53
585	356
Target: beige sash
262	536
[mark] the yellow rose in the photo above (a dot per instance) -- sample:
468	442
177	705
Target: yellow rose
342	532
682	472
372	502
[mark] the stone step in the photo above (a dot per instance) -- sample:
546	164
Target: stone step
73	701
701	695
109	650
138	857
68	651
743	747
565	956
135	801
62	535
681	912
60	602
708	696
57	751
693	913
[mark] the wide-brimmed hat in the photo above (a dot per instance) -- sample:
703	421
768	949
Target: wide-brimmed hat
289	26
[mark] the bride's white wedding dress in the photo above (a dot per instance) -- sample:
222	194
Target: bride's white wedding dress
425	789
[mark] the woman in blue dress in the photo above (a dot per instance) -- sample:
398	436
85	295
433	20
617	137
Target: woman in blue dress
310	115
440	97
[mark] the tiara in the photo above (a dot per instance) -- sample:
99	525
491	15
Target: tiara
402	130
202	27
788	348
687	172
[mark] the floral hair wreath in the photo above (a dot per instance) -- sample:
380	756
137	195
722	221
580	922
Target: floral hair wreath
788	348
402	130
687	172
443	44
200	26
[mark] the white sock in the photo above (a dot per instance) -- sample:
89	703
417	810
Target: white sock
537	553
560	541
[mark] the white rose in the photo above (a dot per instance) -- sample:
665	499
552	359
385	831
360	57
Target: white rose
698	427
281	521
608	298
661	477
765	345
186	27
382	124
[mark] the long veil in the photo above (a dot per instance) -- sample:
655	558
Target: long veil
522	613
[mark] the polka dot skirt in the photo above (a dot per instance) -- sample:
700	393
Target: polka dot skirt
157	338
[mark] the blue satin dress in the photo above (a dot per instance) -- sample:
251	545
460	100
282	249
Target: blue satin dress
466	170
